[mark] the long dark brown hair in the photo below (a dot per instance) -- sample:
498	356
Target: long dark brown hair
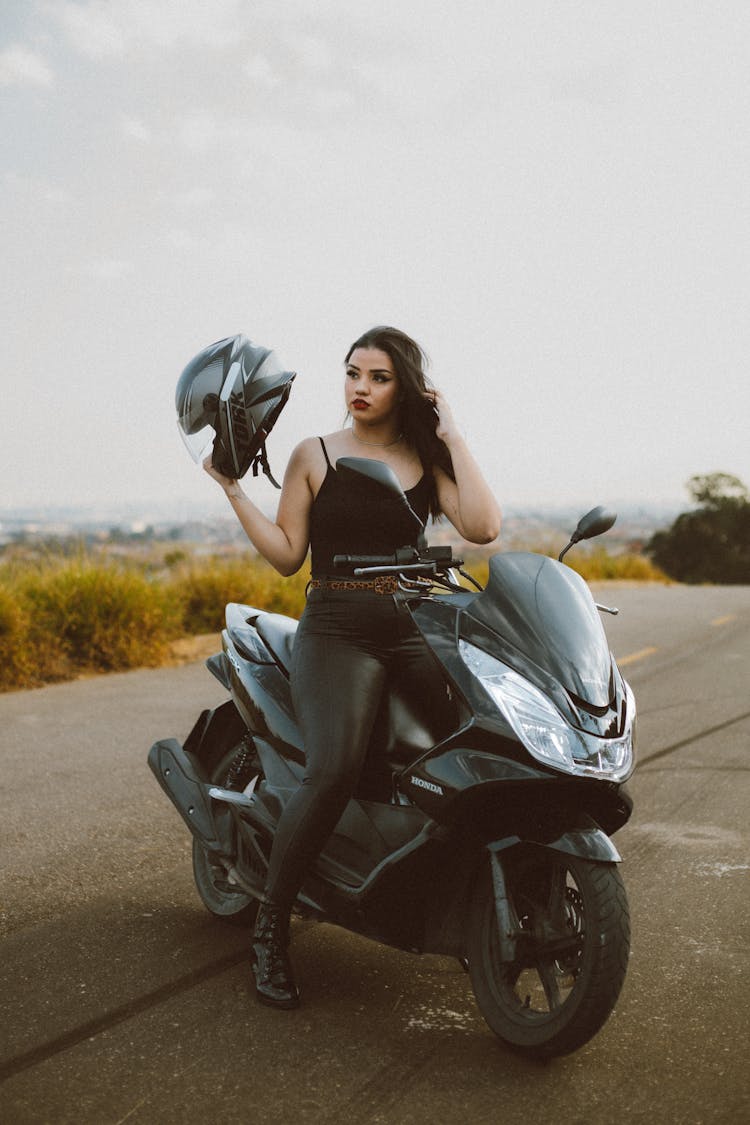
418	418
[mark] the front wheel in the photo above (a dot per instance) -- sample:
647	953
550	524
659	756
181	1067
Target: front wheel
566	962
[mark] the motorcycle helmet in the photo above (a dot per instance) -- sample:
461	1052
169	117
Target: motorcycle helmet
229	397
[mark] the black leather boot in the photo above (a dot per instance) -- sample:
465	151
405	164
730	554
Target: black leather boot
274	983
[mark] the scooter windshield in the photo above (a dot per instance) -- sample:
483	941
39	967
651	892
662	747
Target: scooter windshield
546	610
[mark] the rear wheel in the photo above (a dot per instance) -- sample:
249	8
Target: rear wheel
211	879
571	927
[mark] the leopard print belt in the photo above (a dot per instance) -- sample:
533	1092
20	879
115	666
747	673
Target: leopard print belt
383	584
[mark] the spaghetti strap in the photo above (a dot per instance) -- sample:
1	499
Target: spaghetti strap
325	451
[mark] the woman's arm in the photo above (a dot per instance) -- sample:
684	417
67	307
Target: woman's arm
468	501
283	542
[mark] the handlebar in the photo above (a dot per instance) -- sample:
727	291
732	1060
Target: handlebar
407	561
441	557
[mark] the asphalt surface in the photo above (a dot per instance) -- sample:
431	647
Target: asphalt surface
122	1000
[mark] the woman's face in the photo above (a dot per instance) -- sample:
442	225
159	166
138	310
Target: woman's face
371	387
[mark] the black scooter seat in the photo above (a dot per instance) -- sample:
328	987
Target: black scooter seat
277	633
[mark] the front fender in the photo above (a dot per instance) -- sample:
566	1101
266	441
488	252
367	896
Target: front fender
585	842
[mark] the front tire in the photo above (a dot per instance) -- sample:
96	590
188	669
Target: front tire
572	929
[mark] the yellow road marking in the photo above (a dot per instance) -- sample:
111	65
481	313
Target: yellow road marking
640	655
723	620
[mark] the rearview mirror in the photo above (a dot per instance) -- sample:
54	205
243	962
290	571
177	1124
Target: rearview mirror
594	523
362	470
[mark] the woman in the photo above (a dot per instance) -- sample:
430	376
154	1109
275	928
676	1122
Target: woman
350	639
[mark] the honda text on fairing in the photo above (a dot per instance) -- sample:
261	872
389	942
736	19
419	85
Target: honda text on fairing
486	835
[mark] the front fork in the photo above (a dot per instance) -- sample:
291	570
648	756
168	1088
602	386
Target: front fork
508	925
588	843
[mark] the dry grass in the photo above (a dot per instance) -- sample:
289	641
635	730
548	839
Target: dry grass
65	616
202	589
599	566
594	566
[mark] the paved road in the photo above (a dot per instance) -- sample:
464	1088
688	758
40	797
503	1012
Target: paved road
123	1001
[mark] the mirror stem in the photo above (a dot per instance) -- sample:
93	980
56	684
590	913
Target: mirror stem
574	539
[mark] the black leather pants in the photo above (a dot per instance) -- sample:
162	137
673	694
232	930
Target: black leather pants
348	643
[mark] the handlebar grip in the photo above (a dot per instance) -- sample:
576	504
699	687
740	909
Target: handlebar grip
364	560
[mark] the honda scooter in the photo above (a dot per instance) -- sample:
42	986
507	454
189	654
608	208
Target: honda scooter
481	829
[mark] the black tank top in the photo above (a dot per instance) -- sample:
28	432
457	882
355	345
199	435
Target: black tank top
345	523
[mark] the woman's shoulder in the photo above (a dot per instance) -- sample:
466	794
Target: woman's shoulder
309	460
312	444
307	451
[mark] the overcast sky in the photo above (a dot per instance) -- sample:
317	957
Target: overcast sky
552	197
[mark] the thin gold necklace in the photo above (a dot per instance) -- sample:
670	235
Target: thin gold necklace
376	444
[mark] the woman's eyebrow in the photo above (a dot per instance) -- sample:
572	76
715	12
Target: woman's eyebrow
373	370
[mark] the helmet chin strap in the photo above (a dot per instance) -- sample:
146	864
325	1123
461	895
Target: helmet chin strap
260	461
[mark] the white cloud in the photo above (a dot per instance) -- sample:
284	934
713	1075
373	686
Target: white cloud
101	29
104	269
198	131
331	101
187	22
137	129
259	70
419	89
20	66
181	239
93	29
36	188
194	199
598	85
313	51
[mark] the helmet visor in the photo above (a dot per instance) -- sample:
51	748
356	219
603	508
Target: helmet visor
198	445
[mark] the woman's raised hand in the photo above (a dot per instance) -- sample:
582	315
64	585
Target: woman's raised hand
446	423
225	482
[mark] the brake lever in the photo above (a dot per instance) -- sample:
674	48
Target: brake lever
410	568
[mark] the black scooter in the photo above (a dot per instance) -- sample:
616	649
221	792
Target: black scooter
485	834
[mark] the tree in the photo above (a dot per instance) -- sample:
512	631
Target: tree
712	542
716	490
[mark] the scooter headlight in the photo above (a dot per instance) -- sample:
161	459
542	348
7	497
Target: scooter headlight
543	730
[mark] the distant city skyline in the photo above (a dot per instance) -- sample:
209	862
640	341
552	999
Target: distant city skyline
552	198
